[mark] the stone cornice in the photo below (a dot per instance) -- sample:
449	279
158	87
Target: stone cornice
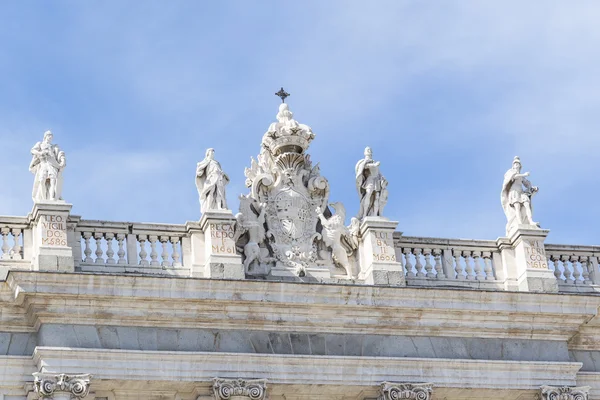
180	369
261	305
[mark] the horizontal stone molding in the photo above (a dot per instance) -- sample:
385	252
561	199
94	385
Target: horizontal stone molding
15	371
181	369
289	307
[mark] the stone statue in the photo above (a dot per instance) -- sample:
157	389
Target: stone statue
516	196
337	236
251	219
211	182
371	186
47	165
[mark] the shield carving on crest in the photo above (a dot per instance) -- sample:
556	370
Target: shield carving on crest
292	222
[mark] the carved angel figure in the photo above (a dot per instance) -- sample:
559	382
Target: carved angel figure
211	182
337	236
47	165
251	219
516	196
371	186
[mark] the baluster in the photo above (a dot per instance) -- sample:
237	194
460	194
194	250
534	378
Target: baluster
437	256
555	261
87	251
479	274
121	250
17	249
585	269
143	252
576	274
409	267
5	245
459	268
468	267
164	240
566	270
487	261
175	255
98	236
418	265
153	253
428	265
109	250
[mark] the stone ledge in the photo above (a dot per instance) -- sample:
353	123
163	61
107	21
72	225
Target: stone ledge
63	298
182	369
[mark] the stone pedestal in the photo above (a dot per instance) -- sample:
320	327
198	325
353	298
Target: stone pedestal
376	255
51	250
221	258
525	261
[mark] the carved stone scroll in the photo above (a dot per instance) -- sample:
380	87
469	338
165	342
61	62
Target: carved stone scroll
47	385
564	393
239	389
413	391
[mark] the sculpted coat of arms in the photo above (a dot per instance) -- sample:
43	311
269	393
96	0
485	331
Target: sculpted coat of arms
289	194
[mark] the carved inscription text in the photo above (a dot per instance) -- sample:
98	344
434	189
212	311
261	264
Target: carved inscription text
221	236
54	230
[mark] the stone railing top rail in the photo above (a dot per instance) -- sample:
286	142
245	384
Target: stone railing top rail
444	242
129	227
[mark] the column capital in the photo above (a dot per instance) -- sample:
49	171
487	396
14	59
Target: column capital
45	385
564	393
239	389
413	391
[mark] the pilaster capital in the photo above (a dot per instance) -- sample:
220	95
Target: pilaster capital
413	391
240	389
564	393
45	385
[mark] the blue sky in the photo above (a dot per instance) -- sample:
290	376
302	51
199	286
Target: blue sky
446	94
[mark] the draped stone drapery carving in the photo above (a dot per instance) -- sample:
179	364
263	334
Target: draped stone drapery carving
564	393
47	385
240	389
412	391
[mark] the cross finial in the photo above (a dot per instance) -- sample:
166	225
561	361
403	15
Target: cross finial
283	94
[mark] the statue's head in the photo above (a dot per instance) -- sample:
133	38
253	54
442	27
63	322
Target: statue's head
516	163
48	136
368	153
210	153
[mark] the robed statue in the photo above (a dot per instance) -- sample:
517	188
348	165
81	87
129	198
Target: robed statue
47	164
516	196
371	186
211	182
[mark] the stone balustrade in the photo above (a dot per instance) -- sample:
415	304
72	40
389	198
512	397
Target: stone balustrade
123	247
15	244
176	249
575	267
449	262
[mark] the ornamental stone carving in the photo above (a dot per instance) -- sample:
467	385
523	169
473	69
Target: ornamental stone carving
286	190
240	389
516	196
564	393
397	391
47	385
211	182
338	237
47	165
371	186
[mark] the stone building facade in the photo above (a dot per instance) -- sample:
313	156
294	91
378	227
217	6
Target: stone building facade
282	301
